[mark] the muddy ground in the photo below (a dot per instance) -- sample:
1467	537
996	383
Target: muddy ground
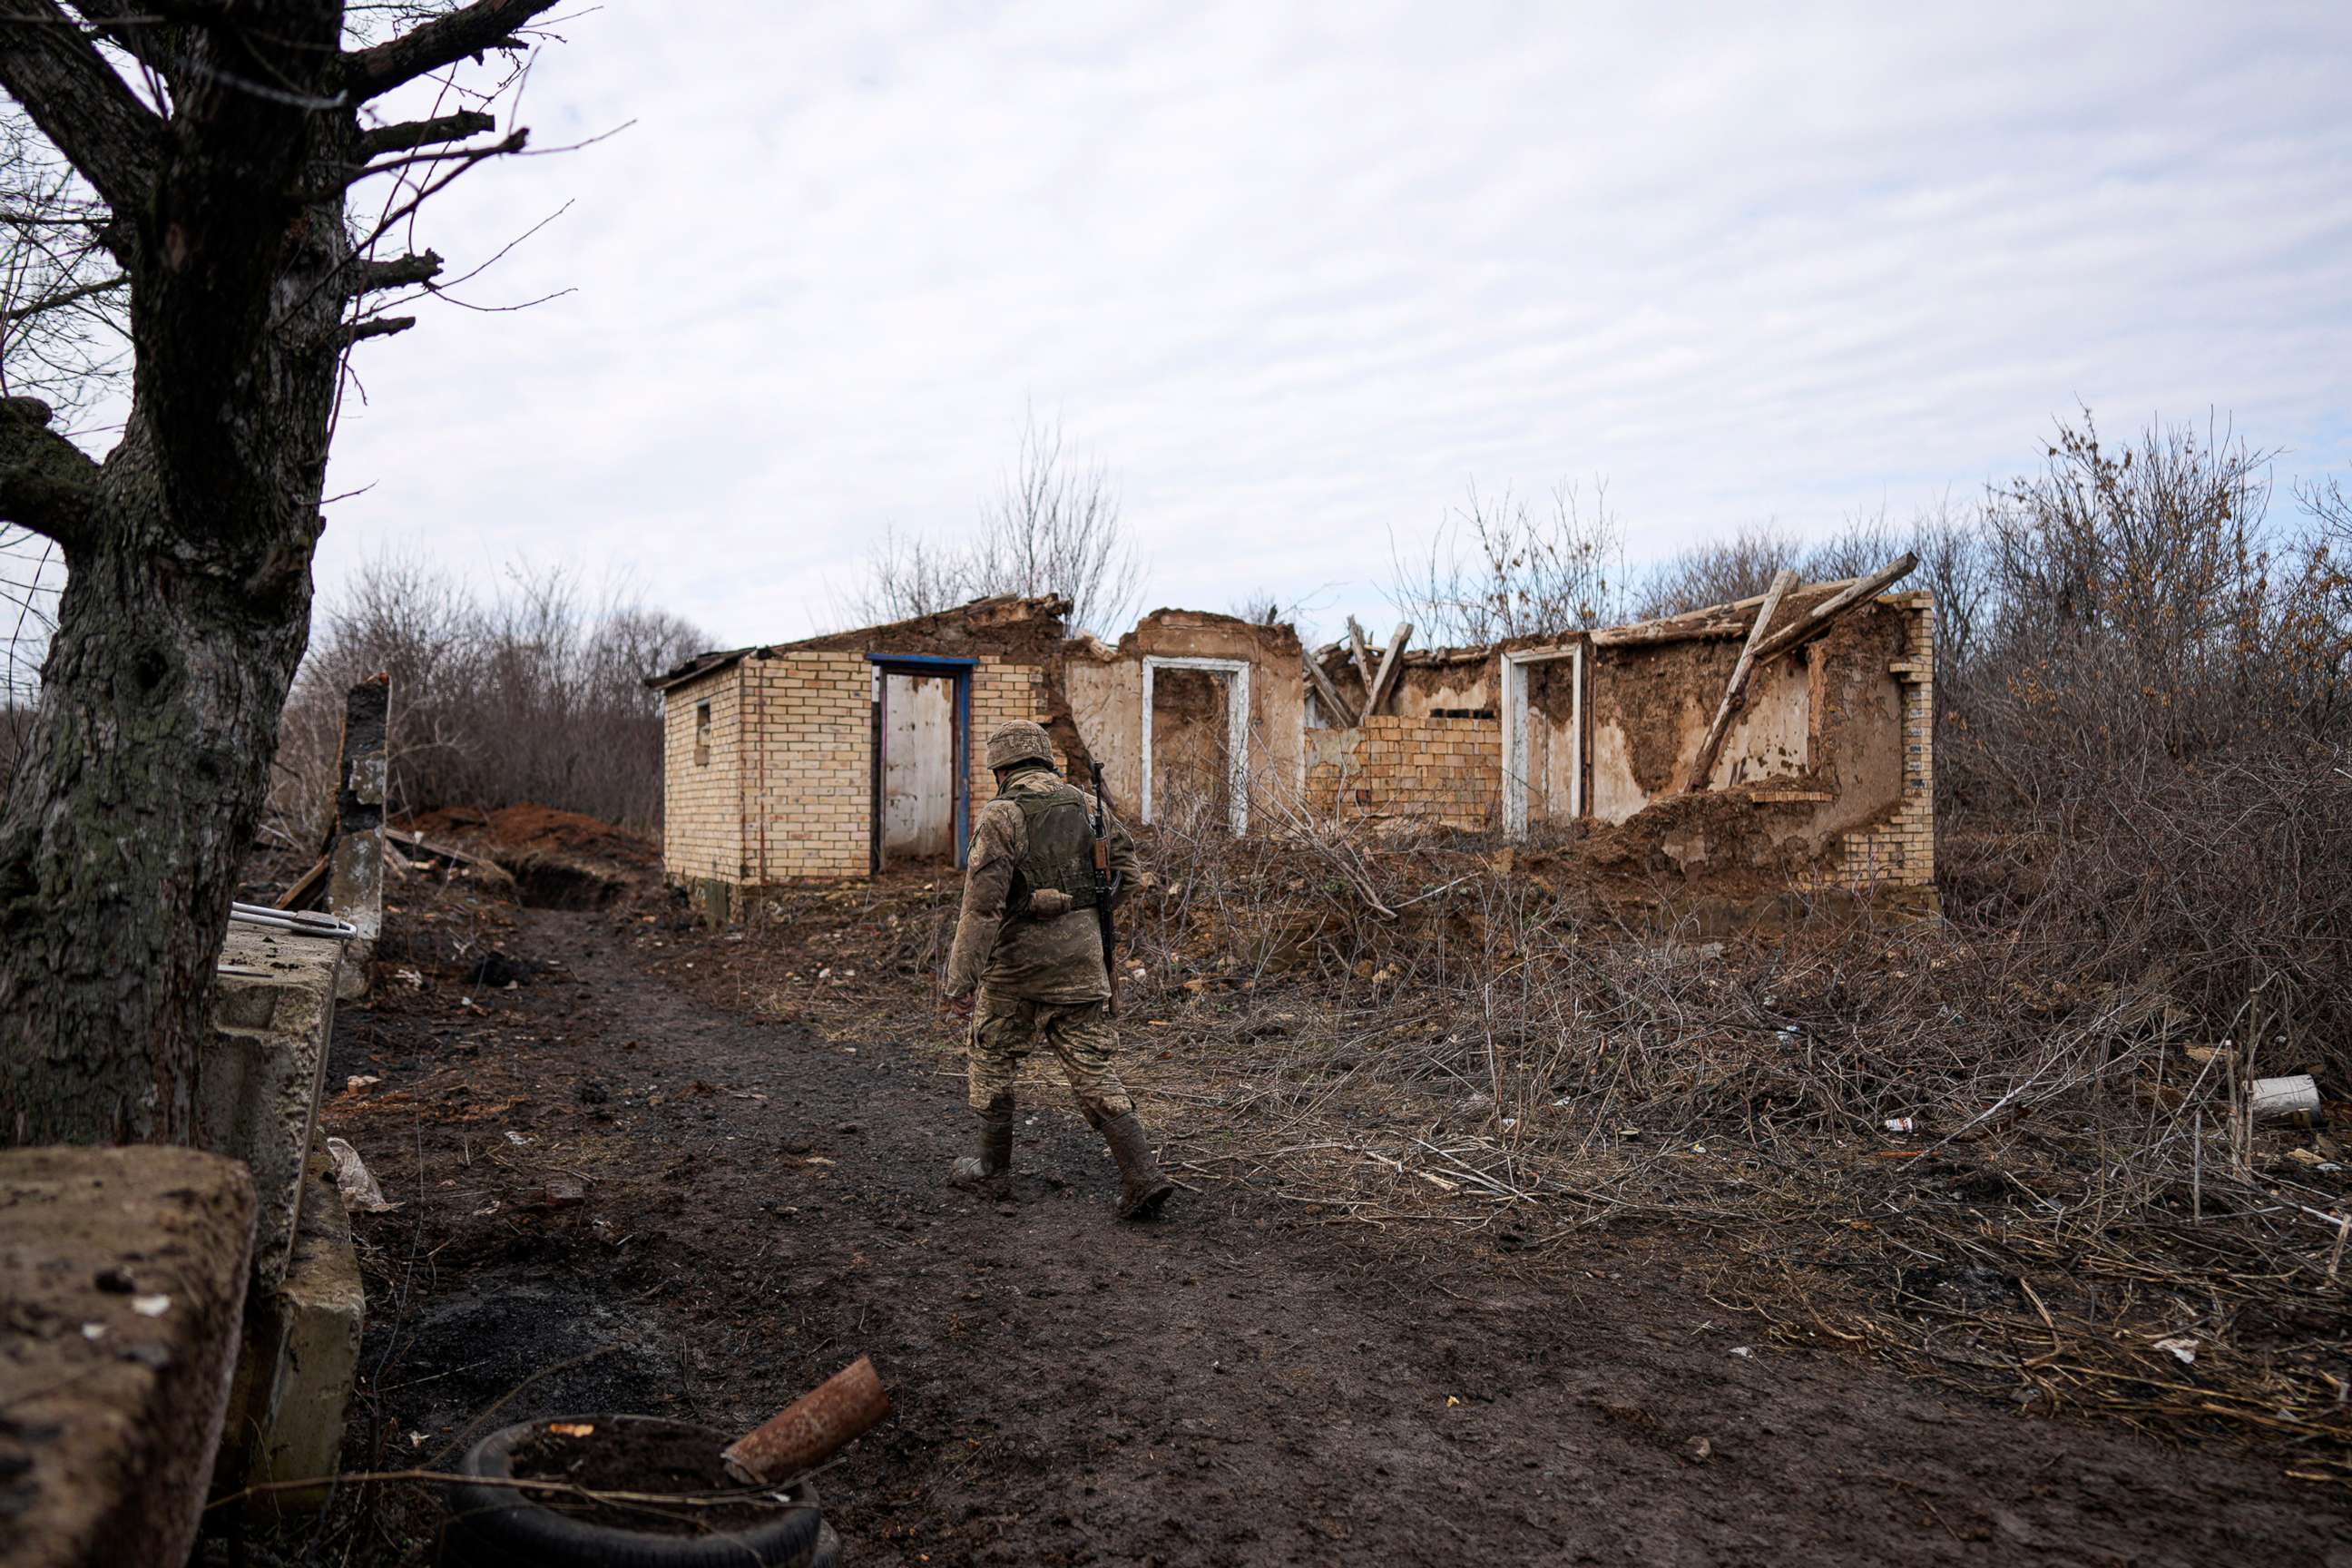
628	1186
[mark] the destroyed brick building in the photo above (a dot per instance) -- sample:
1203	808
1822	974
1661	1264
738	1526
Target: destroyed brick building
1782	741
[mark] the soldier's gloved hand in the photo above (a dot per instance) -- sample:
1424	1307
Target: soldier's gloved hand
1047	902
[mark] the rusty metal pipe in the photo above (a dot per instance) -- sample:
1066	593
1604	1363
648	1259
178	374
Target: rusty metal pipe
814	1429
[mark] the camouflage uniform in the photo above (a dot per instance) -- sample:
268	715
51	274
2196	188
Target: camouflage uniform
1036	978
1040	975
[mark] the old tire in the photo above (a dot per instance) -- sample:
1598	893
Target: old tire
501	1527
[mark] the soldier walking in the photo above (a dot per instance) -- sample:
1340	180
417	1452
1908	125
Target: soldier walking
1028	940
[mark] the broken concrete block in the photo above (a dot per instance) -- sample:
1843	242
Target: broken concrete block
124	1274
257	1080
300	1357
355	862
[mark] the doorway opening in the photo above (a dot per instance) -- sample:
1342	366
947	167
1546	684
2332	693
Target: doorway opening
1543	743
1196	742
922	760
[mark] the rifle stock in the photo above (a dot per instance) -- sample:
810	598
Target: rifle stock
1104	921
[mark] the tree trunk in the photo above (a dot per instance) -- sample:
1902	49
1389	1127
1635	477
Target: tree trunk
186	605
187	599
148	765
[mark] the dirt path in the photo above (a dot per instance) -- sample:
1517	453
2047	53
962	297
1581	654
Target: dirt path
1239	1385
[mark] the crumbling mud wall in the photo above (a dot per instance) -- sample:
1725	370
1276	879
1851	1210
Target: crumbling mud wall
1104	687
1824	778
1652	707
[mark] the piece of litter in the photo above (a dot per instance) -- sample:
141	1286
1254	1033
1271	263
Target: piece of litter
354	1182
150	1305
516	1138
93	1330
1451	1402
572	1428
2182	1348
416	1439
1743	1352
360	1080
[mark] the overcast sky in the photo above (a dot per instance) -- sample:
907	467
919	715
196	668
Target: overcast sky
1297	274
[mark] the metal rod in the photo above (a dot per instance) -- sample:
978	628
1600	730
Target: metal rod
302	922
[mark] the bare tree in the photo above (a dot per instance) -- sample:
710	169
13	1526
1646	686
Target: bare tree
535	693
215	148
1739	565
1054	528
1495	569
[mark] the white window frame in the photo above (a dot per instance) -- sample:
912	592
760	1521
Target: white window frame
1236	674
1515	731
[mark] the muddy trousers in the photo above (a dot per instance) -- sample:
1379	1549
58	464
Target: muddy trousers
1005	1029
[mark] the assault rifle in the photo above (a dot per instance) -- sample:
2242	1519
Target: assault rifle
1106	889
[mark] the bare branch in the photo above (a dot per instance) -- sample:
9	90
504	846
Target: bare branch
378	327
47	483
469	32
400	272
409	135
71	296
50	66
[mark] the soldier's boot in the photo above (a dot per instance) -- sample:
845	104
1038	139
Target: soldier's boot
1144	1186
991	1167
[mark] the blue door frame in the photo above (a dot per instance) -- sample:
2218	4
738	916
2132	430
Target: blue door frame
960	670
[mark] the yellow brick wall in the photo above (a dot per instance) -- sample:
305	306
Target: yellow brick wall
1900	850
809	760
1449	770
702	802
1002	693
787	793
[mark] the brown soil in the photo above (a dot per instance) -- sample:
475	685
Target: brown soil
644	1181
542	829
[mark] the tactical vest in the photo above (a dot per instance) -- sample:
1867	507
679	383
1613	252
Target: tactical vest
1061	853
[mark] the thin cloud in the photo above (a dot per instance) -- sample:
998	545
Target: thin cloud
1297	276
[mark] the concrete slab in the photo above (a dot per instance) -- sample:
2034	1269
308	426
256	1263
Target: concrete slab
258	1082
122	1281
300	1358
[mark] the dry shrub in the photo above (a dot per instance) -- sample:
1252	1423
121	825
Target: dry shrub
534	694
2144	760
1512	1051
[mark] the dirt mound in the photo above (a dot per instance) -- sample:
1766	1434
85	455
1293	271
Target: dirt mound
559	860
526	829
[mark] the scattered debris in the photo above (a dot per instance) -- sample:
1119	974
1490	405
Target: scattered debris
2284	1101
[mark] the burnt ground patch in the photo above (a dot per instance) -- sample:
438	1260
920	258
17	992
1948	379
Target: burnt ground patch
627	1189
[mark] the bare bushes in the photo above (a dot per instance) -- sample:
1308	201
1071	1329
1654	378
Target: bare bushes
533	694
2146	770
1497	568
1053	528
1920	1140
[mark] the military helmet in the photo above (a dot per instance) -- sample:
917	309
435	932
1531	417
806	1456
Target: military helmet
1019	742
